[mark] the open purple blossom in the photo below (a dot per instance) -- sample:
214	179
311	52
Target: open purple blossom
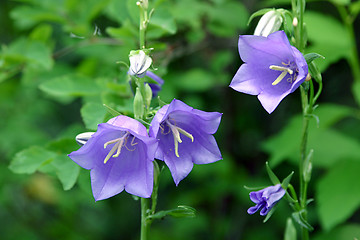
272	70
266	199
185	137
120	156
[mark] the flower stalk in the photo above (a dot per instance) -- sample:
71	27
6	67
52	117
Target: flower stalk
308	101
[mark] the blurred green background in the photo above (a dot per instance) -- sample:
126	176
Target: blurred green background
58	66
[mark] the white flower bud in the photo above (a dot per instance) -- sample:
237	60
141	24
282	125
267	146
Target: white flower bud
139	63
270	22
82	138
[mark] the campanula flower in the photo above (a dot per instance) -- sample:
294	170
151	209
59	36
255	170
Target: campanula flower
270	22
120	156
185	137
266	199
272	70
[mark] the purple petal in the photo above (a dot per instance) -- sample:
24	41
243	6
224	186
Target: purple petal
254	209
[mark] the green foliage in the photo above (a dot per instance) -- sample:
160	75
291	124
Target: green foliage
326	152
323	34
337	195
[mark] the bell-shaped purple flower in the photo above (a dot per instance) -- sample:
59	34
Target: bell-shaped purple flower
120	156
266	199
272	69
185	137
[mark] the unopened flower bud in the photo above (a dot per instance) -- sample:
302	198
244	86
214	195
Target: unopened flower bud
295	22
139	63
270	22
82	138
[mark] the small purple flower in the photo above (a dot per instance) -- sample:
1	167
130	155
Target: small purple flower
155	87
185	137
266	199
272	70
120	156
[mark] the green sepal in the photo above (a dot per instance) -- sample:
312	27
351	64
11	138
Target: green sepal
112	111
274	179
253	188
179	212
268	216
301	221
161	102
315	72
259	13
312	56
290	230
286	181
307	169
138	105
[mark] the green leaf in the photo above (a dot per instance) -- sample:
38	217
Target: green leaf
312	56
259	13
164	20
290	230
179	212
328	37
356	91
301	221
274	179
341	2
31	159
32	52
227	18
92	114
70	86
338	194
66	170
350	231
286	181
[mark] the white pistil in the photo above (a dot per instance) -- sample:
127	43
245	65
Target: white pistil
284	71
176	134
119	143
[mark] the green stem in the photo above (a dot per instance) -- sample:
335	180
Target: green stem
307	104
143	5
353	59
144	222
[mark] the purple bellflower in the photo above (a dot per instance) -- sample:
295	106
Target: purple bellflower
266	199
120	156
272	70
185	137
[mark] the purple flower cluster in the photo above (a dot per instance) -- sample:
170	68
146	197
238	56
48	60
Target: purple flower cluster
120	154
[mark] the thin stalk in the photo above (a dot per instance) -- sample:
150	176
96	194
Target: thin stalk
353	59
307	105
144	223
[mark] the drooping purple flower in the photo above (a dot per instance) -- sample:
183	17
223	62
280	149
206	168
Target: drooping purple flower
266	199
120	156
272	69
185	137
155	86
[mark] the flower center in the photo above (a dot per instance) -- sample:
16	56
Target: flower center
286	68
175	130
118	144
